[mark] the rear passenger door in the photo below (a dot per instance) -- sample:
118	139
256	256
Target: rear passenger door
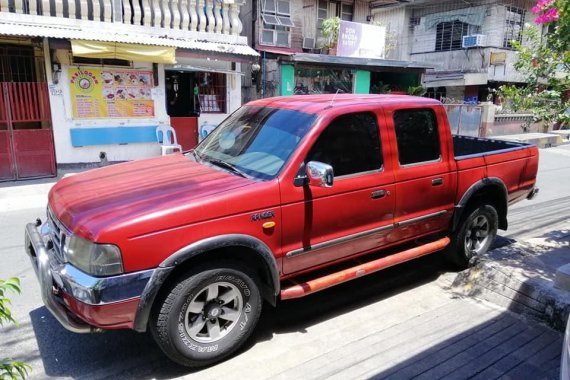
355	214
425	181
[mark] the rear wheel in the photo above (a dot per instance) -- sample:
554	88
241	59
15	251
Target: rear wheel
477	230
206	316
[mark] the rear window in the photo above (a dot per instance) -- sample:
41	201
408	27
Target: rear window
417	136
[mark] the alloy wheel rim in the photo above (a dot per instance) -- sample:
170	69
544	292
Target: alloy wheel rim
213	312
477	235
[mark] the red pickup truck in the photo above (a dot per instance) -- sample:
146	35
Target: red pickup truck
276	203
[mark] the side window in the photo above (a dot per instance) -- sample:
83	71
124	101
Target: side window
417	136
350	144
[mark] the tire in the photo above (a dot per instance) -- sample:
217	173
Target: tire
206	316
477	230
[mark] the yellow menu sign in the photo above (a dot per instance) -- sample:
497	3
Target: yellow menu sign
110	93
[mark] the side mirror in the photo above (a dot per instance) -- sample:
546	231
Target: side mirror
319	174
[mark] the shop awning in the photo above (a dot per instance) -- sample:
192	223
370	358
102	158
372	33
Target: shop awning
118	50
355	62
195	68
278	50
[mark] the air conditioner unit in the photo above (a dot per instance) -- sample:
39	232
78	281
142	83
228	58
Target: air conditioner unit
474	40
308	43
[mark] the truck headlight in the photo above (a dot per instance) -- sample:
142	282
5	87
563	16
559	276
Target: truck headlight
92	258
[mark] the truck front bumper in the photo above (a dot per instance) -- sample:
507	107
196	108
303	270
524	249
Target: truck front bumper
80	302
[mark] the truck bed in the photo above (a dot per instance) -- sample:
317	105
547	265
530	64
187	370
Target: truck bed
467	146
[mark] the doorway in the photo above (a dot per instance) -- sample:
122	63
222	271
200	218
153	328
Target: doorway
183	106
26	135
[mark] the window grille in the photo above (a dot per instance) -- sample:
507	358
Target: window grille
328	9
514	23
276	20
449	35
212	88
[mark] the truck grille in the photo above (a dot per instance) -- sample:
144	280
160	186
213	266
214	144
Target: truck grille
59	235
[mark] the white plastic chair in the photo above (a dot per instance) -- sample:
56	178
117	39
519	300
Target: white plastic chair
166	137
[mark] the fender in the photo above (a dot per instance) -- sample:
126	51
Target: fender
483	183
165	268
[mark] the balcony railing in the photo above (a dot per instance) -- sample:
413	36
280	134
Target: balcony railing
211	16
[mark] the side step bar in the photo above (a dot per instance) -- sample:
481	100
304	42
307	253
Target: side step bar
321	283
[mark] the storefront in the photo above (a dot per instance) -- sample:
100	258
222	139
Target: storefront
109	108
315	74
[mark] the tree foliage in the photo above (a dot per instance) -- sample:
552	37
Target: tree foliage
9	368
544	60
330	29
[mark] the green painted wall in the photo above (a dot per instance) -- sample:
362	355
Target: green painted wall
287	80
362	82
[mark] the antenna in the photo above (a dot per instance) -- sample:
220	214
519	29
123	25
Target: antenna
334	97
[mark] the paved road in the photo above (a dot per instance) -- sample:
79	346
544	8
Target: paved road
399	324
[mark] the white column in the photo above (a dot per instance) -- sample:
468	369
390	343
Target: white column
217	16
184	14
107	11
137	12
127	12
33	4
71	8
210	16
147	17
96	10
5	5
235	20
175	14
167	16
226	20
45	7
58	7
156	13
83	10
193	15
201	15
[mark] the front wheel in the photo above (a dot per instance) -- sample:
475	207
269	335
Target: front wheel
477	230
206	316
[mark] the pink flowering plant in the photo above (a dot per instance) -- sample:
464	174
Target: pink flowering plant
547	11
544	59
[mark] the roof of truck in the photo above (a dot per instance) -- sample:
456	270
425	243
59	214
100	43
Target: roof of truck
318	103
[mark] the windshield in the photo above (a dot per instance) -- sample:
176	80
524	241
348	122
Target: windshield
255	141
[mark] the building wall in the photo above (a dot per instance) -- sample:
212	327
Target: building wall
63	121
418	42
396	21
304	16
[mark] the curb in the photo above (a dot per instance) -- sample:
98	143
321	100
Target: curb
520	278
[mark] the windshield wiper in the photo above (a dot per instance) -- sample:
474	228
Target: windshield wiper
196	156
227	165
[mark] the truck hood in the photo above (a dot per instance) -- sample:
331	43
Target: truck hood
106	198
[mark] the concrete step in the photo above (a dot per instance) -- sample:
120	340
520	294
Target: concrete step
565	133
542	140
521	278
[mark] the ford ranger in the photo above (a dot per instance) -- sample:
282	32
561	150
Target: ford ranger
276	203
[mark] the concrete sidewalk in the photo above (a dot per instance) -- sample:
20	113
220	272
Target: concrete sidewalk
28	194
521	277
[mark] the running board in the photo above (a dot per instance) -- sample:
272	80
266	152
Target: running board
321	283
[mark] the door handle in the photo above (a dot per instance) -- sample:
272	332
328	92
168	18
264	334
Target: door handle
378	194
437	181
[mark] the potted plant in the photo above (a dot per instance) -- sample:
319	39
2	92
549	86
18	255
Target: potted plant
330	29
